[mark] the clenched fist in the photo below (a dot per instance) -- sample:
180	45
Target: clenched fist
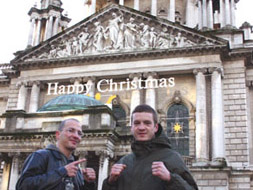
115	172
89	174
159	170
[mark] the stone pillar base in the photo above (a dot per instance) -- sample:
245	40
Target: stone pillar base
218	163
201	163
229	27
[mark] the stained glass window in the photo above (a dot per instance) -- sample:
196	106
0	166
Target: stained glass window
178	128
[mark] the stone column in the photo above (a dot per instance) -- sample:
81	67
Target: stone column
93	6
14	171
222	15
200	14
227	13
218	142
50	27
6	171
232	12
76	81
201	119
204	13
38	32
210	14
154	7
47	4
247	31
34	99
136	4
172	11
188	13
30	37
150	89
121	2
46	29
136	94
56	26
22	96
92	85
103	167
77	88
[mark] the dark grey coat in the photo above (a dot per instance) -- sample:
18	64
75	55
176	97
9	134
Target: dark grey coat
138	173
44	170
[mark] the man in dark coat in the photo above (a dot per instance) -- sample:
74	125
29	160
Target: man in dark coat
54	168
152	165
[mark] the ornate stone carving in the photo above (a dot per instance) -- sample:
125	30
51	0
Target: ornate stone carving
202	70
219	70
135	75
120	32
104	153
21	83
177	97
150	74
48	140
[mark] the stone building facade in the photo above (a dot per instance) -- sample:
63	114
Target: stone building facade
184	58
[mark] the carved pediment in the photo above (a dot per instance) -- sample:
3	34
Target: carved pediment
118	29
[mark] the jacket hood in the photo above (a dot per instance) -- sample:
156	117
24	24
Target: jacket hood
58	154
144	147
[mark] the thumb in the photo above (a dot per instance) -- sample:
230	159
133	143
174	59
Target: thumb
84	171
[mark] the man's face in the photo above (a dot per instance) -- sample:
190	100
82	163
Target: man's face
70	136
143	126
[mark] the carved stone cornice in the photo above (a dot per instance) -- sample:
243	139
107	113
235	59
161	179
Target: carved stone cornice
20	137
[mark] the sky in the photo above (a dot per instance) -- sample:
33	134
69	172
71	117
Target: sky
15	24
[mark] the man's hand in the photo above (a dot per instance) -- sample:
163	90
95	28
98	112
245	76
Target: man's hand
115	172
89	174
159	170
72	167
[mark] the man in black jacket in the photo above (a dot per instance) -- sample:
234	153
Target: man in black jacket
54	168
153	165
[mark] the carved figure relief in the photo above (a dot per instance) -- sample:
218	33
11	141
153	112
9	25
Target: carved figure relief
118	34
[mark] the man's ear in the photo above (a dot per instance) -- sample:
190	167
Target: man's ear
57	134
156	127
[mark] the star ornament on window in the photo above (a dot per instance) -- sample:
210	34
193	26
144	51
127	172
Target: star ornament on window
177	128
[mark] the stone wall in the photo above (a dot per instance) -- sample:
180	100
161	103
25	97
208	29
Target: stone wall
240	180
211	179
222	179
12	95
235	112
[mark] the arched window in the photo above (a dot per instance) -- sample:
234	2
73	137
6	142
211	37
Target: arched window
178	128
119	112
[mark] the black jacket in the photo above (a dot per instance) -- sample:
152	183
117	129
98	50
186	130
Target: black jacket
138	174
44	170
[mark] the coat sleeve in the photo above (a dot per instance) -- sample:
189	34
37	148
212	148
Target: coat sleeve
89	186
36	176
181	178
107	186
